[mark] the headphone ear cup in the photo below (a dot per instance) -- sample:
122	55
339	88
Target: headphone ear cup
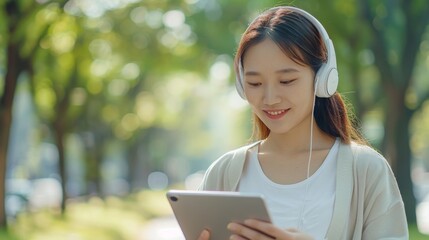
326	80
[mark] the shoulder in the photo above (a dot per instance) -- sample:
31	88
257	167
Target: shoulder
384	208
366	156
225	160
226	170
371	165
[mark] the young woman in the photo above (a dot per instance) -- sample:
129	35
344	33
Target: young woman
319	178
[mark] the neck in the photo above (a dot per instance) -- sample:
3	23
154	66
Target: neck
297	141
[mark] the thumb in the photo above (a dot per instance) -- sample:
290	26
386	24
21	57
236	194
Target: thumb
205	235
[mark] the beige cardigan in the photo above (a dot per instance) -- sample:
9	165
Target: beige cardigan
368	204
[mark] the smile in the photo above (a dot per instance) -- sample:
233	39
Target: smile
276	114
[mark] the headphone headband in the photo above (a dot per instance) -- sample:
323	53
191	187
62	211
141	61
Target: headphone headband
310	18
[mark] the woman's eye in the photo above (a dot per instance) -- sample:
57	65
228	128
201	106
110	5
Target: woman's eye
254	84
287	81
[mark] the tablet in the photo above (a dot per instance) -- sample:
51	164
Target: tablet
214	210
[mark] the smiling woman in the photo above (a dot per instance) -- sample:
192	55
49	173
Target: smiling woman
319	178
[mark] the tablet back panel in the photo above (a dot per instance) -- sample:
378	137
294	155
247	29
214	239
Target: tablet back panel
198	210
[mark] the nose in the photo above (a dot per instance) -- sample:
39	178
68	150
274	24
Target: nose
271	95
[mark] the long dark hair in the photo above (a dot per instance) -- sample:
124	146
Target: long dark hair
300	40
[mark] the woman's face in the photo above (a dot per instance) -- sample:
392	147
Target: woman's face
279	90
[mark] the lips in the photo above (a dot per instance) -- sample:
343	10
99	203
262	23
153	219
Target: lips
275	114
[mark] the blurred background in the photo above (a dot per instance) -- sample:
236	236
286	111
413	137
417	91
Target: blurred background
106	104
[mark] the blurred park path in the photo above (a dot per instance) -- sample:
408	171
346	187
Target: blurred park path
164	228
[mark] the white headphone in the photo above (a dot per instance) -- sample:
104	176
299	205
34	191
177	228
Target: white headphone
326	79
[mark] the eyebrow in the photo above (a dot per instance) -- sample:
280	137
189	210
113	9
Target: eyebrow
283	70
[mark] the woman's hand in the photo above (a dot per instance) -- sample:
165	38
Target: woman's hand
254	229
205	235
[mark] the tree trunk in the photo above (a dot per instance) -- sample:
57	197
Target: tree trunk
403	163
396	79
98	160
60	126
132	166
59	138
397	147
92	176
13	70
6	106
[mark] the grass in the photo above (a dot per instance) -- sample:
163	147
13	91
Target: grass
415	234
108	219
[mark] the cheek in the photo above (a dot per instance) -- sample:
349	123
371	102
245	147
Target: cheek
252	95
302	93
253	104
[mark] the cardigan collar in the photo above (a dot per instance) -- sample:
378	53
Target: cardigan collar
236	166
343	192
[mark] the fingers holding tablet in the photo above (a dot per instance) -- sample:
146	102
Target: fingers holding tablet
205	235
254	229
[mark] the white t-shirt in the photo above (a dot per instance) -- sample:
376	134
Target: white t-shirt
307	205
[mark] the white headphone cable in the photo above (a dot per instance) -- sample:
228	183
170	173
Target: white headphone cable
311	132
301	217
